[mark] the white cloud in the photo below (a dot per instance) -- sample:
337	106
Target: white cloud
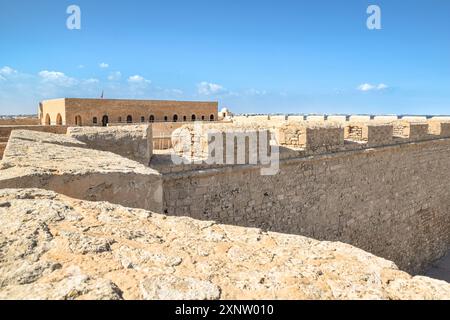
365	87
255	92
115	76
207	89
137	79
81	66
91	81
6	71
371	87
2	78
103	65
57	78
175	91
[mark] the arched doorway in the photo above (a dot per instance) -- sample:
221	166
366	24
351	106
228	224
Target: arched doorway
129	119
78	121
193	117
94	120
47	119
175	118
152	118
59	120
211	117
105	121
184	118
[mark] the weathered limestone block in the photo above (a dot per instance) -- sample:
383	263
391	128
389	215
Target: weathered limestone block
354	131
133	142
66	165
359	118
375	134
315	118
378	135
151	256
222	144
439	128
320	137
324	138
278	118
291	135
386	118
411	130
337	119
414	118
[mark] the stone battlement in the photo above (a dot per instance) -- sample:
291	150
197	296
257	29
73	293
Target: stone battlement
304	138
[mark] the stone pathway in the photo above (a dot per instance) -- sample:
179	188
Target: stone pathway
441	269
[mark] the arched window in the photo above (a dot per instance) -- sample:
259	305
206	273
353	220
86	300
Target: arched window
78	121
105	121
211	117
184	118
175	118
152	118
166	118
59	120
47	120
203	118
193	117
94	120
142	119
129	119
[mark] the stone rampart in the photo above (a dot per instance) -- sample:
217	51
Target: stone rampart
25	121
5	131
392	200
66	165
133	142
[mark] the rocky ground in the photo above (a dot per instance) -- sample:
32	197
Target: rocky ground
55	247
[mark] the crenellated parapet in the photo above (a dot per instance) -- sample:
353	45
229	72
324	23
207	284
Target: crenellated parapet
439	127
303	137
374	134
366	130
413	131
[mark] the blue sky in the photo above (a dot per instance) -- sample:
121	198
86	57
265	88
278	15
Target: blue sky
252	56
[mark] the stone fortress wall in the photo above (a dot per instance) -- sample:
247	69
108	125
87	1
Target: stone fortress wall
5	131
20	121
381	185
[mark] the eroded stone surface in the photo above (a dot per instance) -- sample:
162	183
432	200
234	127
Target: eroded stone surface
65	165
55	247
133	141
